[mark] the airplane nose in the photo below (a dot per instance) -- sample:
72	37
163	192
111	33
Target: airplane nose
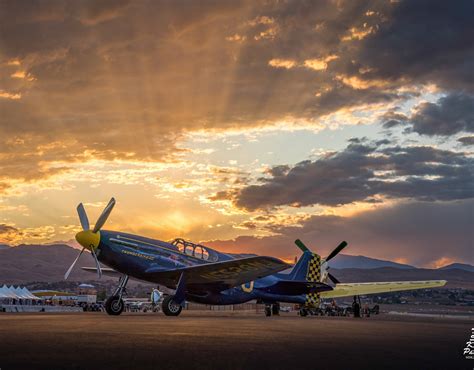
88	239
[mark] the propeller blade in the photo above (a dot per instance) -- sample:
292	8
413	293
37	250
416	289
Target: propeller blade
333	279
66	275
83	217
336	251
99	270
104	215
301	246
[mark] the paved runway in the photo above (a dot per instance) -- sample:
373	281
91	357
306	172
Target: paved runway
201	341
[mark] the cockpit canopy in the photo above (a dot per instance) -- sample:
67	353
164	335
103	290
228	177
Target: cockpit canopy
195	250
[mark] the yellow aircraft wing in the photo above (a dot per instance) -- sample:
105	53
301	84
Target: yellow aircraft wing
350	289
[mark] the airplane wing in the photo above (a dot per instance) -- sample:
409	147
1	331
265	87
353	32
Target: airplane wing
350	289
295	287
225	274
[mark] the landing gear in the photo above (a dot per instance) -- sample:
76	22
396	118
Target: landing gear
272	309
268	310
170	307
276	309
114	304
303	312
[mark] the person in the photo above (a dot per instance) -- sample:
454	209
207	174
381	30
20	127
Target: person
356	307
367	310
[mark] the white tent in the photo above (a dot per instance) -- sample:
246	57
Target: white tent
28	294
16	293
6	293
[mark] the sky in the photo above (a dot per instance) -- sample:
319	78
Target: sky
242	124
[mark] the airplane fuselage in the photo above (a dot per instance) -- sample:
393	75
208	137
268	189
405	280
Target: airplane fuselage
135	256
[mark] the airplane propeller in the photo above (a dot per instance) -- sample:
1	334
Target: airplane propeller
90	239
324	261
336	251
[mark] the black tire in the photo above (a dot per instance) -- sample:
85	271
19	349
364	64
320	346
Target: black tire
114	306
268	310
303	312
170	307
276	309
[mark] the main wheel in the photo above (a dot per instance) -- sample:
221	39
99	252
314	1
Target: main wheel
114	305
268	310
170	307
276	309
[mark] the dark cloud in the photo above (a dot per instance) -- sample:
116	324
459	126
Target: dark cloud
450	115
278	171
393	119
424	41
222	195
362	172
466	140
418	233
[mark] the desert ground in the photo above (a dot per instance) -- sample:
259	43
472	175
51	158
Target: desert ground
205	340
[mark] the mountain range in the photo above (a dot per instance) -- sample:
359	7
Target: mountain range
459	266
48	263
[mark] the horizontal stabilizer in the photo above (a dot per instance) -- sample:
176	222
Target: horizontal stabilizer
295	287
350	289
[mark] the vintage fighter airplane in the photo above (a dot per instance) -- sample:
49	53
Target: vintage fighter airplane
200	274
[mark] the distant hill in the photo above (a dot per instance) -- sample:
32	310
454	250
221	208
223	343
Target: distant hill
344	261
459	266
48	263
4	246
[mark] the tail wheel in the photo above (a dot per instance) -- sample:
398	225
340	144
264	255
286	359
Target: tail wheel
114	305
170	307
303	312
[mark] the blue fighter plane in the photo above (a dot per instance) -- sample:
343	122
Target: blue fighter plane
200	274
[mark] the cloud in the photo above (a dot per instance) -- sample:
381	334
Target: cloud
282	63
423	41
450	115
466	140
9	234
419	232
319	64
365	172
95	12
127	80
7	95
392	119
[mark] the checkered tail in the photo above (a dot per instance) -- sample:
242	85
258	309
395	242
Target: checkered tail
314	275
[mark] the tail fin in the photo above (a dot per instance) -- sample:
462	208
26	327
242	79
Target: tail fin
308	268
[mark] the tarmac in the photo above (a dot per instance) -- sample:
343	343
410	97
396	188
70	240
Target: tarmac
205	340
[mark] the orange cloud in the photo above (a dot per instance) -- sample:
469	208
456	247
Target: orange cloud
443	261
319	64
282	63
360	84
11	96
358	33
